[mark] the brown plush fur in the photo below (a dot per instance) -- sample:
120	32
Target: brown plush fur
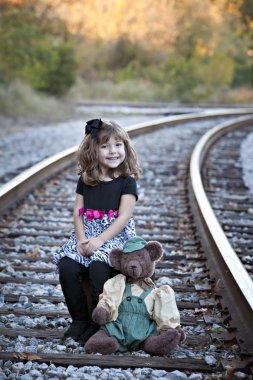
162	344
136	265
139	264
102	343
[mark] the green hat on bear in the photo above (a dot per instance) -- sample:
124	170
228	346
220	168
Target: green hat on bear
134	244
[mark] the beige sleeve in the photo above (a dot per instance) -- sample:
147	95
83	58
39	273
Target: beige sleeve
112	295
165	311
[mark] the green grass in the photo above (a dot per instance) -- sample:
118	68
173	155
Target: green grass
18	100
146	91
105	90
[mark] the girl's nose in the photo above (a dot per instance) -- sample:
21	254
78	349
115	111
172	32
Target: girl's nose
112	149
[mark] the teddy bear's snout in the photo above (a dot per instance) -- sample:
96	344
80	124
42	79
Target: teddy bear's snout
134	269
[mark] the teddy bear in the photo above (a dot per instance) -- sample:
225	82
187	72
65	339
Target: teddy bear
132	312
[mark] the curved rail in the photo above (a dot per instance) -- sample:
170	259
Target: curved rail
19	186
224	261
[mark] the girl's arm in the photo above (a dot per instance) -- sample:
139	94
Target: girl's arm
126	207
78	223
127	203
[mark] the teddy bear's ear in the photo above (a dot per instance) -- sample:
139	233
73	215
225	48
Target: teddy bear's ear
155	250
115	258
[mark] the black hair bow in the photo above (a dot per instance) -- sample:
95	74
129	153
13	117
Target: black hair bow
92	127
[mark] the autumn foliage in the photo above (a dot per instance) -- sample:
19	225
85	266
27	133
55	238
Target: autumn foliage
184	50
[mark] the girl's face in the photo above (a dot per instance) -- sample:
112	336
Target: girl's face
111	154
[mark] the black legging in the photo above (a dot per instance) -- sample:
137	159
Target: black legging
71	276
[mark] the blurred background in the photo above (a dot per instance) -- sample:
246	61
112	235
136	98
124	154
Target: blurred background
57	53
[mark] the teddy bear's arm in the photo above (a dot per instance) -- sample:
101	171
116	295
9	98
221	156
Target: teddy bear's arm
165	311
112	296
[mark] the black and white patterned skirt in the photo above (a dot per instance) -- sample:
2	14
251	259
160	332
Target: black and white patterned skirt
94	228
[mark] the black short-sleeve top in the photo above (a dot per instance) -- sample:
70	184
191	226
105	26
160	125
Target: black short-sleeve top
106	195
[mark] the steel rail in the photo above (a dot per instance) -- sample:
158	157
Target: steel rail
18	187
225	264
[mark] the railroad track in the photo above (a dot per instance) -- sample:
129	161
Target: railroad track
228	193
33	314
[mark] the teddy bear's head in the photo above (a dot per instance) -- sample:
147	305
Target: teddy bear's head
137	258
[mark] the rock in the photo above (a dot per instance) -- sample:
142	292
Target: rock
175	375
196	376
128	375
158	373
23	299
240	375
16	367
26	377
210	360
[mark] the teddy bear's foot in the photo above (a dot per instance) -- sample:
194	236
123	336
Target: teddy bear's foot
101	343
161	344
182	334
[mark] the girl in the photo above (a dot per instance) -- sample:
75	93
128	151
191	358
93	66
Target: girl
105	198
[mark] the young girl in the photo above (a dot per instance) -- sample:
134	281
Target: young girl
105	198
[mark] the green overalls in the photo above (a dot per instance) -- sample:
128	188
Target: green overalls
133	324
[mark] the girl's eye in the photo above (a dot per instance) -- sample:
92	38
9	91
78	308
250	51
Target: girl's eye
119	144
103	146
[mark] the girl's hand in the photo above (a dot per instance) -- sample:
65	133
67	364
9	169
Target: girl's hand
82	247
91	245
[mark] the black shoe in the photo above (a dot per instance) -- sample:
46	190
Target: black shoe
88	333
76	329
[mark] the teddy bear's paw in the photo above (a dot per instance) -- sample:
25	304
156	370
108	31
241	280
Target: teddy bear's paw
101	343
100	315
162	344
182	334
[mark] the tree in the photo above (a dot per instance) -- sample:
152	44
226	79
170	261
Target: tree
33	53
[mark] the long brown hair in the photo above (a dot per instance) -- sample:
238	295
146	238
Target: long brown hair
87	155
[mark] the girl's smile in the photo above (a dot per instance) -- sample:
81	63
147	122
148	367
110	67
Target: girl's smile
111	154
